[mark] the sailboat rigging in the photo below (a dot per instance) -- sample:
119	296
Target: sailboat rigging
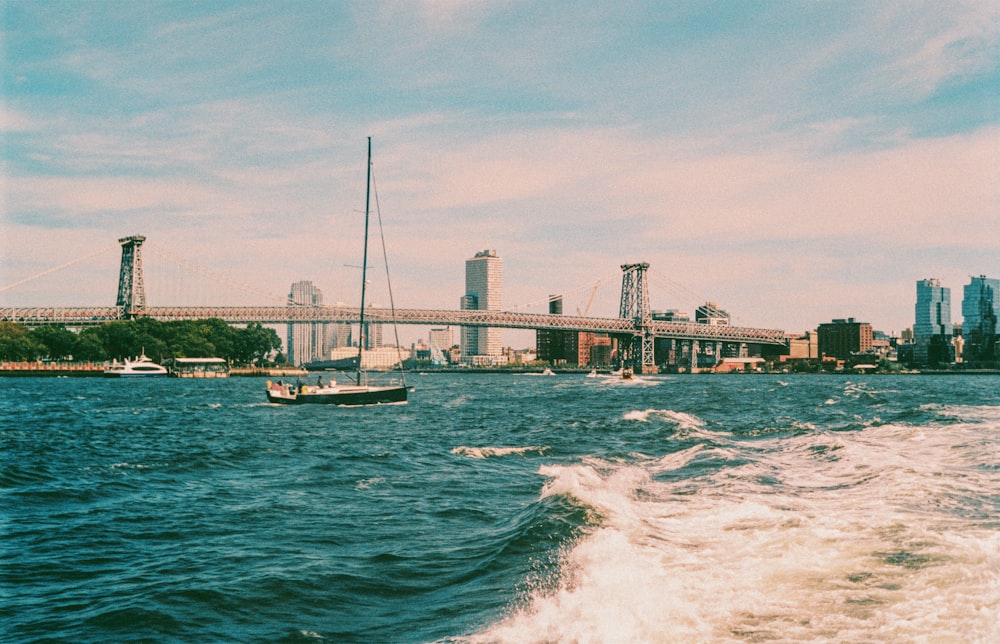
333	393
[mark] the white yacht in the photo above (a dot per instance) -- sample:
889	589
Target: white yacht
141	366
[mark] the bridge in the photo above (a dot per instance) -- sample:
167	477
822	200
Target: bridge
635	327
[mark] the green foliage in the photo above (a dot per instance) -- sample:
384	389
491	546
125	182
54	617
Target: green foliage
56	341
129	338
89	346
16	343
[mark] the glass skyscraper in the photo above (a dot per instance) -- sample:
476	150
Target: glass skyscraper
932	327
981	318
484	292
933	310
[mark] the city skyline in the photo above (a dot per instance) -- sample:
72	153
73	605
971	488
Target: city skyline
794	162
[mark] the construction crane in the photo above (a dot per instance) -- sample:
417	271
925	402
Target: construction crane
586	310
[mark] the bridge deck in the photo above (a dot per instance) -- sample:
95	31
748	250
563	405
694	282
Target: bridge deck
82	316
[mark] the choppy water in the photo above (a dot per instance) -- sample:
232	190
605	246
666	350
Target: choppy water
504	509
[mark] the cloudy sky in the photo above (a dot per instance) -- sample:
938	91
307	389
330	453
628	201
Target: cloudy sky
794	162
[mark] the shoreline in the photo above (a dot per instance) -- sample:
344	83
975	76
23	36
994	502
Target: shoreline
91	370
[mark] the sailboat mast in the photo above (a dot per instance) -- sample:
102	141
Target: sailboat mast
364	262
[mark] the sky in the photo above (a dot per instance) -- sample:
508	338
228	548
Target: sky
794	162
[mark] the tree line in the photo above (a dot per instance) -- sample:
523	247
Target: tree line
254	344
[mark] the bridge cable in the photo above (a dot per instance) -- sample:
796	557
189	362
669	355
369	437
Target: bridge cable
58	268
205	272
684	290
609	278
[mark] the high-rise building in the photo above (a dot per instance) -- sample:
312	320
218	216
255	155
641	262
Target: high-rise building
305	339
483	292
710	313
981	319
439	341
338	334
933	310
932	326
557	347
440	338
841	338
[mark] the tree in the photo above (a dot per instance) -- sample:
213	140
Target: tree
89	346
16	343
55	342
254	343
221	336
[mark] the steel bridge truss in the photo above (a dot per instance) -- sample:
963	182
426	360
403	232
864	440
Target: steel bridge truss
635	328
620	327
636	351
131	290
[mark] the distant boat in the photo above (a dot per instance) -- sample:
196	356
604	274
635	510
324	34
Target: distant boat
333	393
199	367
592	374
141	366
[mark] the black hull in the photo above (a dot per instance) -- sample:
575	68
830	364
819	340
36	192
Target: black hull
373	396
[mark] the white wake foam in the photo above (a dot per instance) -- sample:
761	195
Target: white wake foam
487	452
681	419
864	536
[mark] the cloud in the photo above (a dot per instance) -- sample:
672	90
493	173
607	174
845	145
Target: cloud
787	160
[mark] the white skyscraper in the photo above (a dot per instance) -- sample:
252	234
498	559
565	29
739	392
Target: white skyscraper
305	340
484	292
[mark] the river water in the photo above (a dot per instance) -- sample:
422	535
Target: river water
504	508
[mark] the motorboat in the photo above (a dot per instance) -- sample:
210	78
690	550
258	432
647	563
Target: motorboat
141	366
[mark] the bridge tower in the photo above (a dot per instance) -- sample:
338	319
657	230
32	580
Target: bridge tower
131	292
637	351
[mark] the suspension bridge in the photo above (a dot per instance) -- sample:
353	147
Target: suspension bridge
634	328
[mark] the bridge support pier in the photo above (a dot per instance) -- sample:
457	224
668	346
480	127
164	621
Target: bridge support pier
131	292
637	353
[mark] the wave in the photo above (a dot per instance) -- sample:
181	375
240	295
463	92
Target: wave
681	419
989	414
885	534
487	452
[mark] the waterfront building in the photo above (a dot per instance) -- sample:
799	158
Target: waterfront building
981	319
803	347
338	334
599	350
932	327
559	347
372	333
306	340
483	292
710	313
379	359
440	342
841	338
671	315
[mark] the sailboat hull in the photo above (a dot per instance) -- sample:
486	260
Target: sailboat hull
339	395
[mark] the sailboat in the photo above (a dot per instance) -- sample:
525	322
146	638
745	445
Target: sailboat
360	392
